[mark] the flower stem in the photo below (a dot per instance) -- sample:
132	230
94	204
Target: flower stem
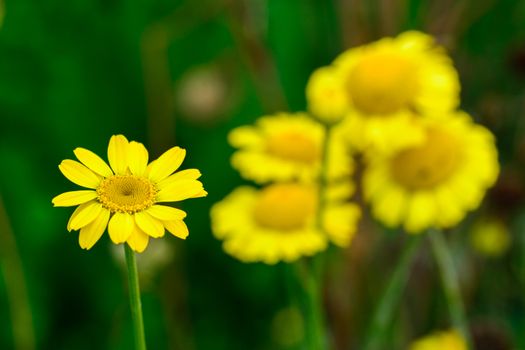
383	314
15	285
449	279
134	298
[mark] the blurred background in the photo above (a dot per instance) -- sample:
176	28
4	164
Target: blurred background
181	72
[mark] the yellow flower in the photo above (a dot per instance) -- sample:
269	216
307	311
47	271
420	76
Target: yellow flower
383	82
433	183
124	197
278	223
326	95
447	340
286	147
490	237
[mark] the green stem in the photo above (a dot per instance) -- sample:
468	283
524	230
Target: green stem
449	279
15	284
389	301
308	278
310	272
323	177
134	298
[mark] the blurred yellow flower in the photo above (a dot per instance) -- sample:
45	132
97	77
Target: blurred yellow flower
433	183
383	82
326	95
278	223
287	147
447	340
124	197
490	237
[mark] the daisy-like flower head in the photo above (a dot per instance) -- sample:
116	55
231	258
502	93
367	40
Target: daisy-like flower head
382	82
287	147
327	97
436	182
125	196
278	223
449	340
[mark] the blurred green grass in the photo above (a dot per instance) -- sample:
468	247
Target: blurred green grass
74	73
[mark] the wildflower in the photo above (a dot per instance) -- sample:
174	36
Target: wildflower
490	237
449	340
435	182
326	95
124	197
384	82
278	222
287	147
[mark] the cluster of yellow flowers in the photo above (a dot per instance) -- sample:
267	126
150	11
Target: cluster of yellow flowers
283	220
394	101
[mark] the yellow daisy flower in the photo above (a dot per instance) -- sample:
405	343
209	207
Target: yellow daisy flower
327	97
433	183
490	237
287	147
278	223
124	196
383	82
449	340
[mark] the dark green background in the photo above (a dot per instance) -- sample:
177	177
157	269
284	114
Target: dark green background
73	73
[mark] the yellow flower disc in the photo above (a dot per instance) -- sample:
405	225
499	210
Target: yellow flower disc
126	193
285	206
429	164
382	83
294	146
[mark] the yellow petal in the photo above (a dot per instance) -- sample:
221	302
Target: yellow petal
166	164
71	198
90	234
120	227
421	211
149	224
79	174
166	213
138	240
177	228
188	174
390	207
118	154
180	190
93	161
137	158
84	215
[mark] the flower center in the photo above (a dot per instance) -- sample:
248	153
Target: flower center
292	145
285	206
126	193
429	164
382	83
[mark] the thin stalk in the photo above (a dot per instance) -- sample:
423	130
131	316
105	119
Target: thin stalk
134	298
382	318
15	284
450	283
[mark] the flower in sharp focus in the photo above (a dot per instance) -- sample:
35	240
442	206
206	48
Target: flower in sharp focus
286	147
278	223
436	182
383	82
446	340
125	196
